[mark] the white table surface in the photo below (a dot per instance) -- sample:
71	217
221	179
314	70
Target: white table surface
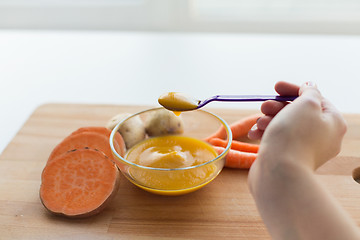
38	67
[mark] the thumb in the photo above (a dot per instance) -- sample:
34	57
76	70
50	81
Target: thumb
309	93
310	88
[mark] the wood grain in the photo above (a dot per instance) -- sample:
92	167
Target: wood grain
223	209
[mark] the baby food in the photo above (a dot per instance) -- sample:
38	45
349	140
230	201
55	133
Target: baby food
168	154
178	102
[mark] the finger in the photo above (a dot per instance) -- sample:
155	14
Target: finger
255	133
263	122
272	107
286	88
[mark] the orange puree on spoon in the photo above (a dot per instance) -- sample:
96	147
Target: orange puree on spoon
177	102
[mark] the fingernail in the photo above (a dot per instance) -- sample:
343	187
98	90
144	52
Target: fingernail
310	84
254	127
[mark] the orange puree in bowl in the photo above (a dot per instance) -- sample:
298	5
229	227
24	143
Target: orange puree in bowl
172	152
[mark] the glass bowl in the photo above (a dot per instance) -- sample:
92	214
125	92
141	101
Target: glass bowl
197	124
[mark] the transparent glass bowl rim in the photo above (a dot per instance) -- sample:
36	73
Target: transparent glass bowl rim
226	150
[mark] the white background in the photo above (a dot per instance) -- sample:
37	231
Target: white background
132	62
135	68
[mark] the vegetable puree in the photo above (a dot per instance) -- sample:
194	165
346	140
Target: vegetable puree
172	152
177	102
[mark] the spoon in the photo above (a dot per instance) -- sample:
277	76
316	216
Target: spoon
180	102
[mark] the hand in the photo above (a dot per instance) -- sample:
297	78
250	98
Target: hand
309	127
296	138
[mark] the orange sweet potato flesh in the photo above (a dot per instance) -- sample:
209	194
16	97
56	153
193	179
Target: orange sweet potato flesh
119	141
79	183
91	137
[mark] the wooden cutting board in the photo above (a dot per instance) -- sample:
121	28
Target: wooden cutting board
223	209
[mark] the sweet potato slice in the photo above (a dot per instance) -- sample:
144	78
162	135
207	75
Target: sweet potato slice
86	139
98	129
119	144
79	183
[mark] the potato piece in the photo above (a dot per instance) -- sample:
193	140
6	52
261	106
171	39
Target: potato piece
132	131
163	122
116	119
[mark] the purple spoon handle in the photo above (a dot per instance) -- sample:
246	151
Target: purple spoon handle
246	98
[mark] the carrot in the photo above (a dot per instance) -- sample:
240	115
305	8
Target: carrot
237	159
106	132
236	145
79	183
239	128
